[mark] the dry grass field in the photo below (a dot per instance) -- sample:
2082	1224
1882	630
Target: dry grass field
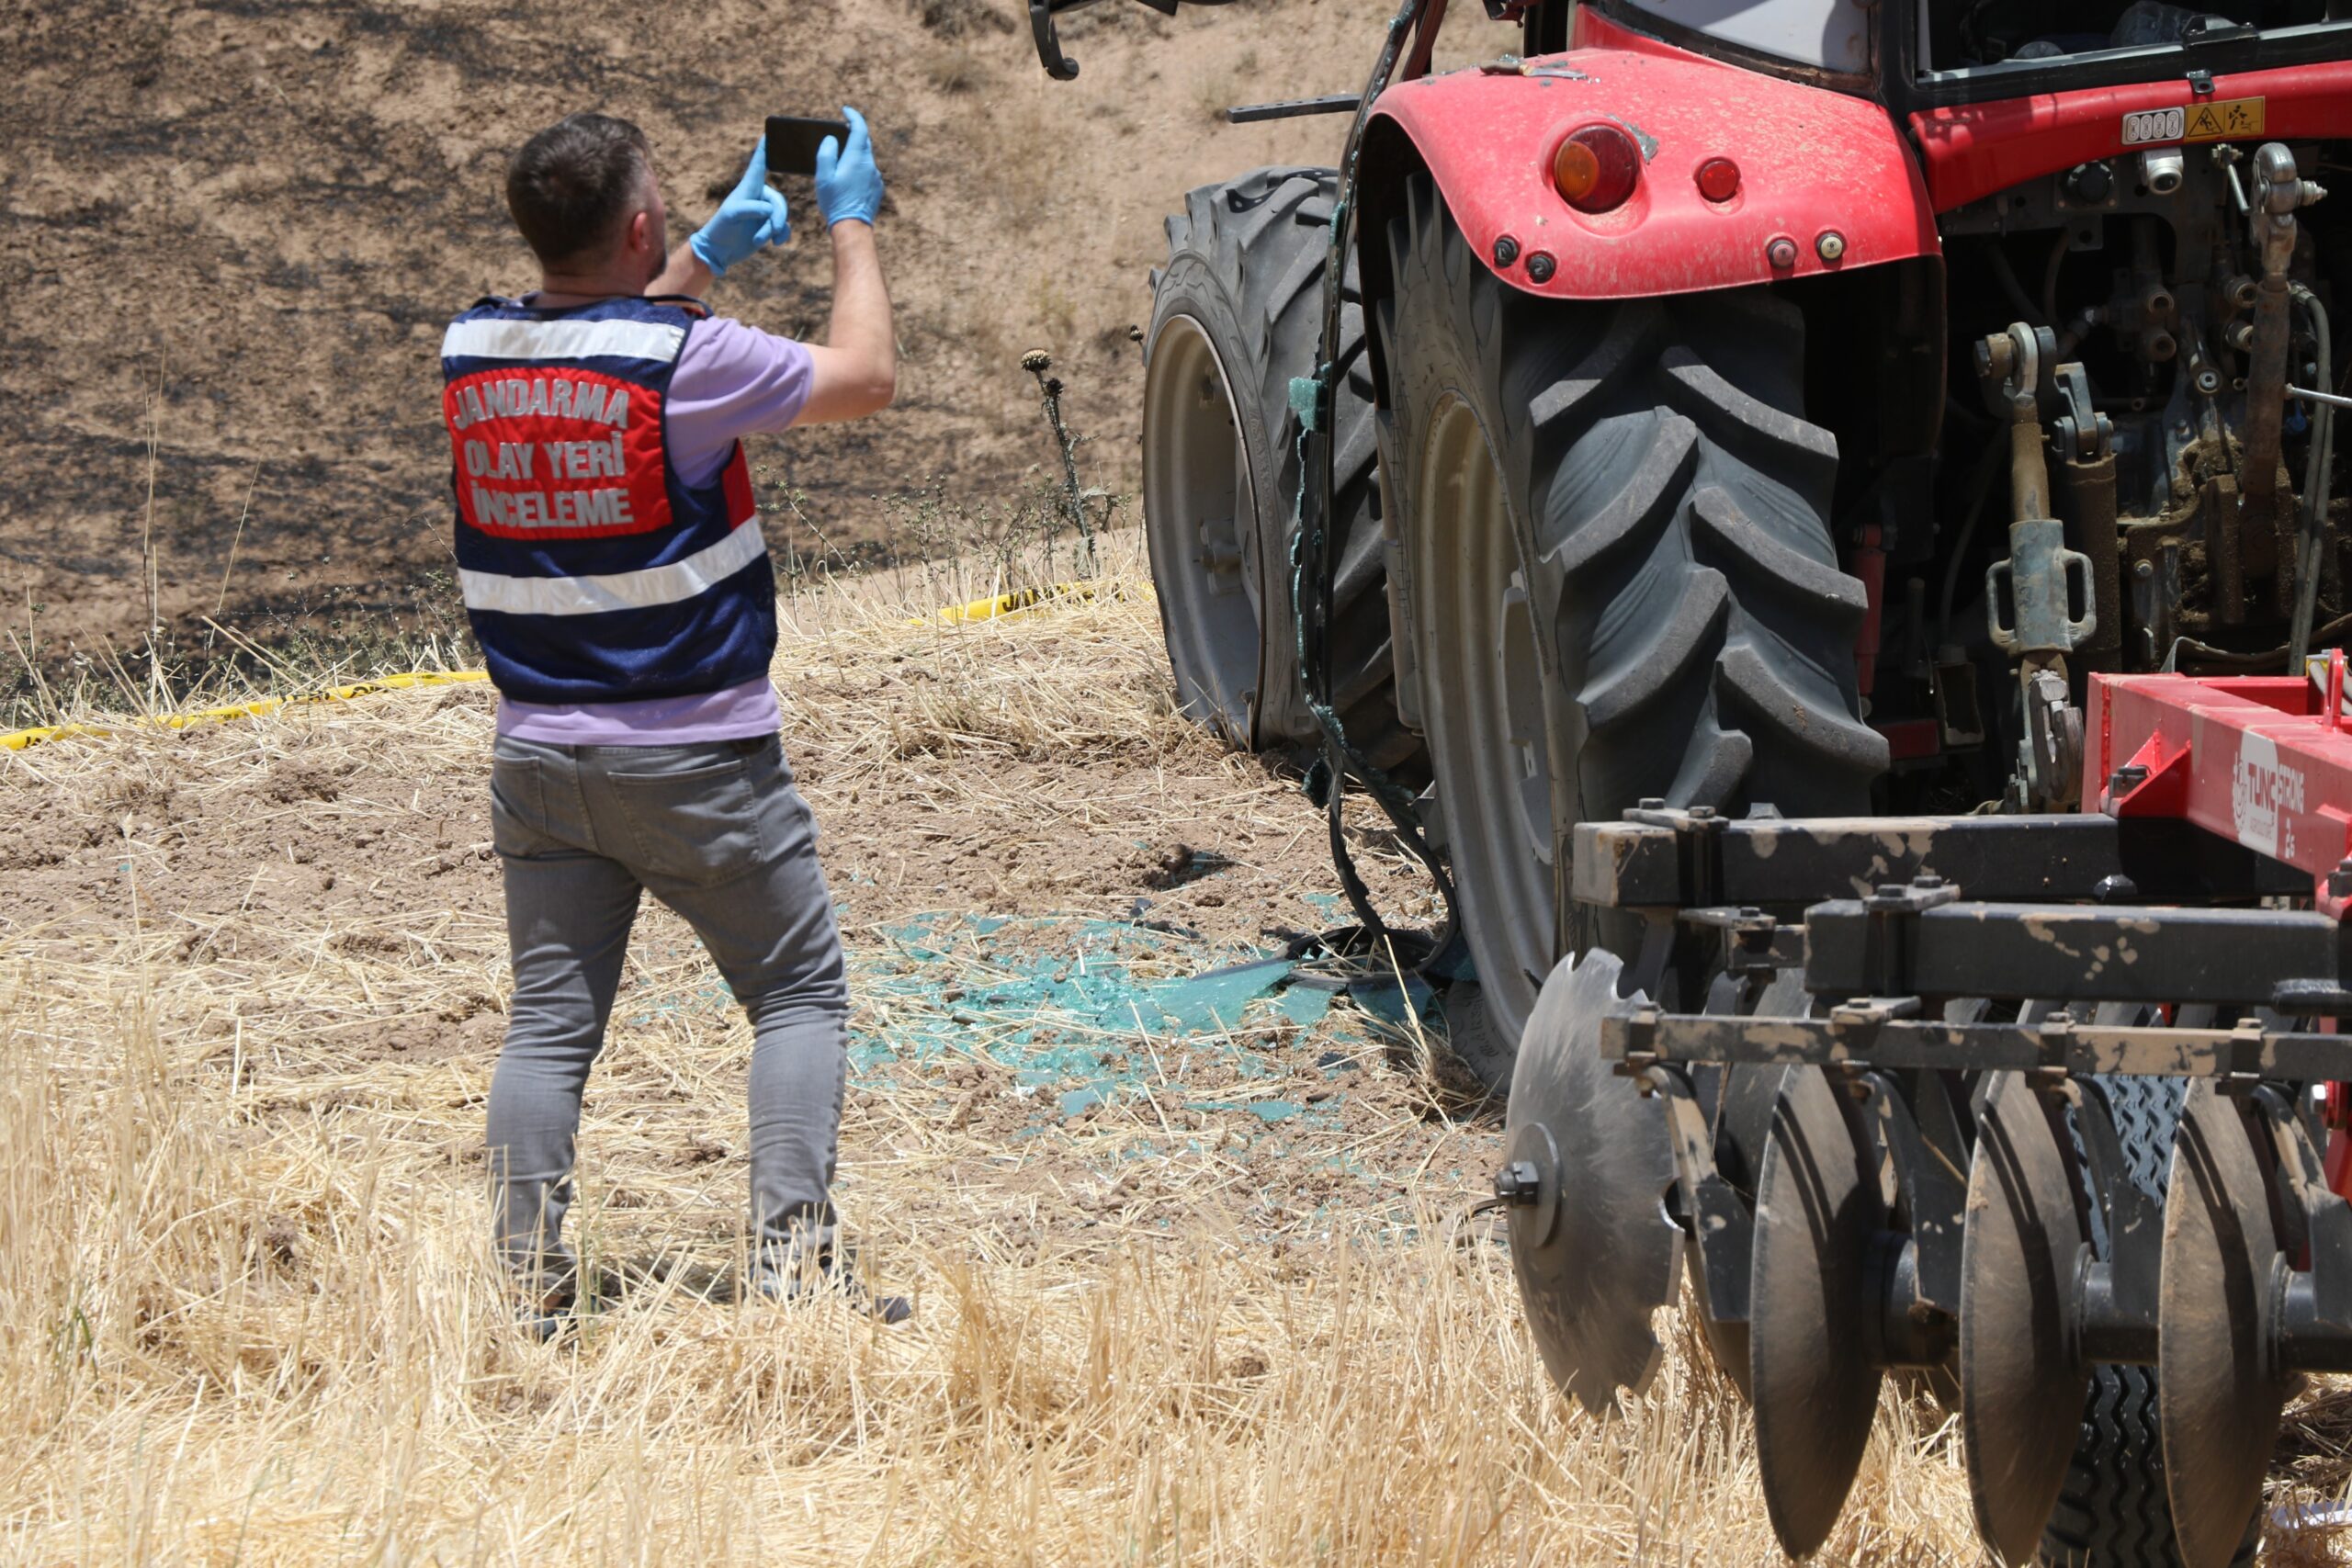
249	983
1228	1307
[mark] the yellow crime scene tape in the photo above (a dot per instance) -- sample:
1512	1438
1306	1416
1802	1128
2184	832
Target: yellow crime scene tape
1025	599
17	739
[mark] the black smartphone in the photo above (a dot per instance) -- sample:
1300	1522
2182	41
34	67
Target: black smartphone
793	141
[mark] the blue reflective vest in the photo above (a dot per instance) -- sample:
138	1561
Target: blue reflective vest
591	573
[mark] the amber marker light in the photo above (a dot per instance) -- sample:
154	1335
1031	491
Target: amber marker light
1718	179
1596	168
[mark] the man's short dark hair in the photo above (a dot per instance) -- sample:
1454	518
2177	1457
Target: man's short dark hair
568	186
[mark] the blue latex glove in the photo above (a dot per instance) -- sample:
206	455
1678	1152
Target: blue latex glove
848	184
751	219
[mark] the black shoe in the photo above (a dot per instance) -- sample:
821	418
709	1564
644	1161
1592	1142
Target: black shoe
545	1327
828	1276
546	1314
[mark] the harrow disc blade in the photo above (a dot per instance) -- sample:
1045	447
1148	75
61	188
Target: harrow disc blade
1744	1096
1595	1255
2021	1382
2217	1401
1819	1211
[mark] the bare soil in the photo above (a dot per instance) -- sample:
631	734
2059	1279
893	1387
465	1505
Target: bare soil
969	773
229	235
253	850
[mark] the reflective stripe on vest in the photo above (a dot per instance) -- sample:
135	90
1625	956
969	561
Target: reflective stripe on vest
656	340
615	590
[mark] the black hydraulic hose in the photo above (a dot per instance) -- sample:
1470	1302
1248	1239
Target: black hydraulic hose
2007	276
2206	653
1314	397
2317	465
2049	278
1987	467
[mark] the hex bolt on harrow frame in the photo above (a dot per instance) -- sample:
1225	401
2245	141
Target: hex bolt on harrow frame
1890	1125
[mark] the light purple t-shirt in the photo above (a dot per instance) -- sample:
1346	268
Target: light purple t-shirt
731	380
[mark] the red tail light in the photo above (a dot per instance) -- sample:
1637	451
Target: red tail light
1596	168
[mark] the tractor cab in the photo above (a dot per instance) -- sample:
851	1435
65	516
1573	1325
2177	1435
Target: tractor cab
1955	52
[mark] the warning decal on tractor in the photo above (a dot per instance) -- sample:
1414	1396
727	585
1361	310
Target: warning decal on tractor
2221	120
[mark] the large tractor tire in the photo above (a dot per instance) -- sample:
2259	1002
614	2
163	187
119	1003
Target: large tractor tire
2115	1511
1236	313
1621	583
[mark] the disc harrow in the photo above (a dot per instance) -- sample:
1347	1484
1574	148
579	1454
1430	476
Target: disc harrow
2005	1098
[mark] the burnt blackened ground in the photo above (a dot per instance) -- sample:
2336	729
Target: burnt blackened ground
230	234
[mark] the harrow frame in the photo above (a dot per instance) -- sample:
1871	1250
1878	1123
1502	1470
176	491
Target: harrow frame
1938	1185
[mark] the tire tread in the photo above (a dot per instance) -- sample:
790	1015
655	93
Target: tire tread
1263	236
1708	659
2113	1511
1680	498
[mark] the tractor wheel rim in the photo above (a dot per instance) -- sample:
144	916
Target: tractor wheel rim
1200	511
1486	719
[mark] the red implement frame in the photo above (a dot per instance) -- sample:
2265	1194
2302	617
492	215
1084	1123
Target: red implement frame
2263	760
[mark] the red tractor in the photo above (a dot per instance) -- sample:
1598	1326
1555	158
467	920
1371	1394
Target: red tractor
1835	499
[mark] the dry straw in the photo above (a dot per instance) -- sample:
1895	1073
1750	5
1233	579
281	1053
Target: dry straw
246	1315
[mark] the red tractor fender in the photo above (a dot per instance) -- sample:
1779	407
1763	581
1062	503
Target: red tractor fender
1827	183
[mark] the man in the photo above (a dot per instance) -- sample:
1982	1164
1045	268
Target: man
615	574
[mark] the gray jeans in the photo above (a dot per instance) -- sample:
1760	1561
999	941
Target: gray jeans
717	831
